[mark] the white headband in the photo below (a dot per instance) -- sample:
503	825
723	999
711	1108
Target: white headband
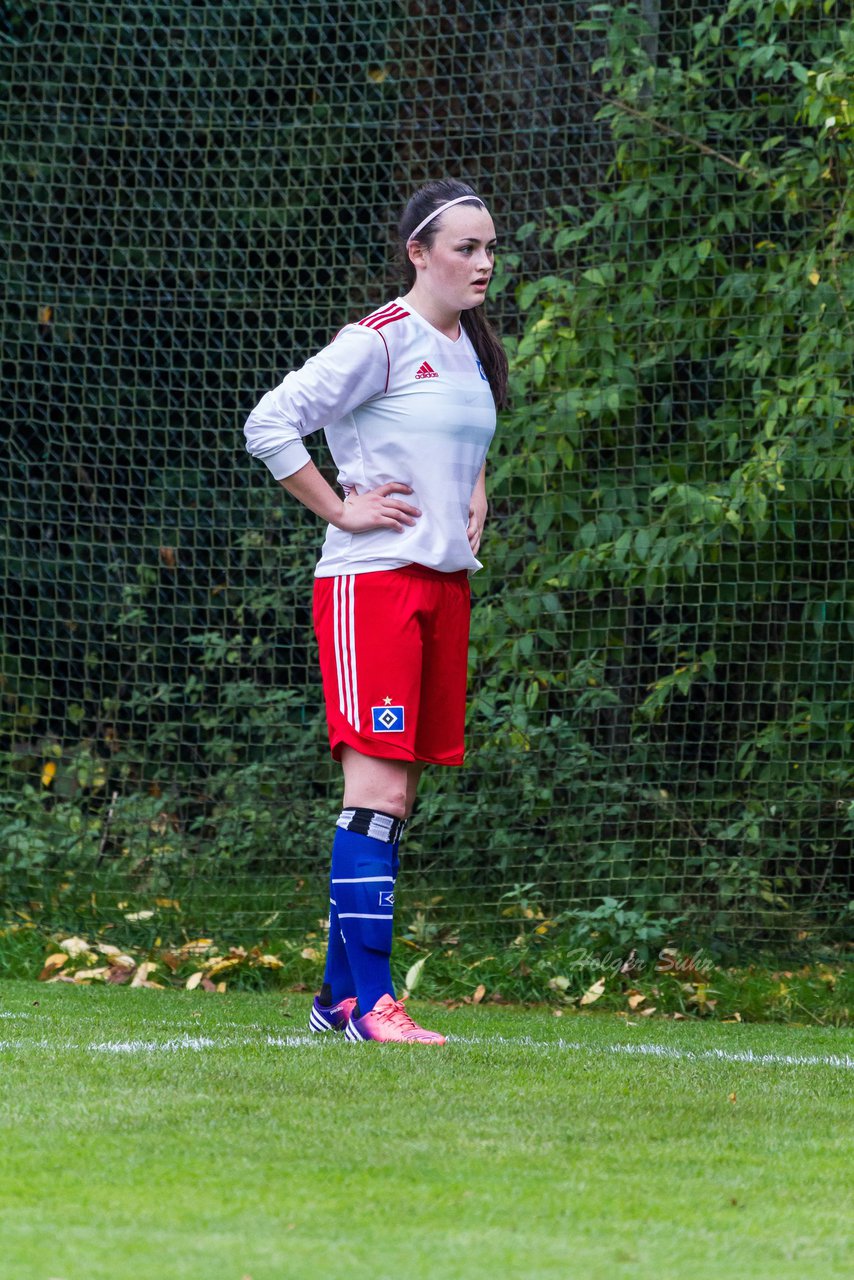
436	212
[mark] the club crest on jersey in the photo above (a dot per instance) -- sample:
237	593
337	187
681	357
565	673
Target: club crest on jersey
386	898
387	718
480	371
426	371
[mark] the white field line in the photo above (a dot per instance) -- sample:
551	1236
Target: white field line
846	1061
197	1044
174	1044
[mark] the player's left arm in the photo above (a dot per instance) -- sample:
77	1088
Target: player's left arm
477	512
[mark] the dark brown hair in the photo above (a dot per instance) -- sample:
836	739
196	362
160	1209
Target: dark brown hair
483	337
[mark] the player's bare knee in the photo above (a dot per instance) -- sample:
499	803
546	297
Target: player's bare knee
394	801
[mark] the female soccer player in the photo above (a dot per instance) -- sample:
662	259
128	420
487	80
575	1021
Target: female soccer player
407	399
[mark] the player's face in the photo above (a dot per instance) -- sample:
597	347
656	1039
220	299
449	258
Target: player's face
459	263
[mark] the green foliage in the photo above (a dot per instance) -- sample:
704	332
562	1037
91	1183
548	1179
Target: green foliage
663	636
684	416
157	672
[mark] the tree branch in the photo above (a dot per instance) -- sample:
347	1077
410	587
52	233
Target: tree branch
675	133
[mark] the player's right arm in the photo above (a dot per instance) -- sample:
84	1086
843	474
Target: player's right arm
330	385
358	513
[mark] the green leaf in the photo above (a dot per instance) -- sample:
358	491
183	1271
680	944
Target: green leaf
414	972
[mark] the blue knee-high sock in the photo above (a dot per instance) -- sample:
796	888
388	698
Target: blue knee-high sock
363	858
338	981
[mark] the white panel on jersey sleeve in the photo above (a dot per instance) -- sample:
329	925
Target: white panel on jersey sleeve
350	371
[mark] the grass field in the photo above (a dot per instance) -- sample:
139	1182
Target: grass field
179	1136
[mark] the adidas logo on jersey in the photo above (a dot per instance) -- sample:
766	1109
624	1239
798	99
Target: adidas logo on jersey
426	372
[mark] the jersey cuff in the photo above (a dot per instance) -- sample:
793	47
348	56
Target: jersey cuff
287	460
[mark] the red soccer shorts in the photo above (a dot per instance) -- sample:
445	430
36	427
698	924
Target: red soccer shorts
393	656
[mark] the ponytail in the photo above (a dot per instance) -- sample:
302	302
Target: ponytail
490	353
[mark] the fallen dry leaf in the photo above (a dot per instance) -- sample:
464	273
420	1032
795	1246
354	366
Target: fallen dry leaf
213	967
75	947
52	963
194	980
119	959
197	947
478	995
594	992
636	998
140	978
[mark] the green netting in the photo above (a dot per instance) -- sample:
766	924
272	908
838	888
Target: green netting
196	197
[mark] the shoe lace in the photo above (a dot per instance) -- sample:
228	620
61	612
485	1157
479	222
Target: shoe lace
397	1014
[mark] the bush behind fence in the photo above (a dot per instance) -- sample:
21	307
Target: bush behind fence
662	637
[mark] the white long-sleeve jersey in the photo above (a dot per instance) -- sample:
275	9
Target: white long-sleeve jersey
397	400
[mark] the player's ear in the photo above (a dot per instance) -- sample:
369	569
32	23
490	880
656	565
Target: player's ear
417	254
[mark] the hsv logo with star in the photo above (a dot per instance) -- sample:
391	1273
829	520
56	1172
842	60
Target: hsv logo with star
387	718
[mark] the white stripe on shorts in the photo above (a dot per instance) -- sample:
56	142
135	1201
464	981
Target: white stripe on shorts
344	626
341	640
352	633
337	642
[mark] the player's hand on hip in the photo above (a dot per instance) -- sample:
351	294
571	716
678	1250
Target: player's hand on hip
474	528
378	509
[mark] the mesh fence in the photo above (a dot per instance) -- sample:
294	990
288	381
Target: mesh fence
196	197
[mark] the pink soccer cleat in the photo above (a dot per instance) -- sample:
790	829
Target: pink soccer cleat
334	1017
389	1021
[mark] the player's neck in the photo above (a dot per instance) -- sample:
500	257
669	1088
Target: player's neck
431	310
